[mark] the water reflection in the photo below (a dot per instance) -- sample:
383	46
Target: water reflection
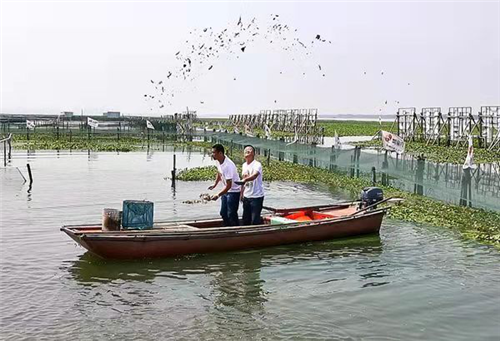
231	269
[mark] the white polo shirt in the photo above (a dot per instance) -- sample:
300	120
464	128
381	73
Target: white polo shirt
228	171
253	189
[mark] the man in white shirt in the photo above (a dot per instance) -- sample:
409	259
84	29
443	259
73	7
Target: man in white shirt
230	194
252	192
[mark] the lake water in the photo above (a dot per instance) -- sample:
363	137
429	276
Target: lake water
412	282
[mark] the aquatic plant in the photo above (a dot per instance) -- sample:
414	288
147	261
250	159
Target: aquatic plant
353	128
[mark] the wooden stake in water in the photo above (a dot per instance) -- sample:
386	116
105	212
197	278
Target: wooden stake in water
173	173
374	176
29	173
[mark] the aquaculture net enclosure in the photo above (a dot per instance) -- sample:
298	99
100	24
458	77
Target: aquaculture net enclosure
479	187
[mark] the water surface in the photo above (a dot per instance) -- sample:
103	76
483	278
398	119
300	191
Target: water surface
412	282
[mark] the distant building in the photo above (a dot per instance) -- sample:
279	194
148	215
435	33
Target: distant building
67	114
112	114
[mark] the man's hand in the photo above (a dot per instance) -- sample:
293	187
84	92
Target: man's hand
215	197
211	187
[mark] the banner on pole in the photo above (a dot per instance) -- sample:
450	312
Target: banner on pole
149	125
30	124
295	139
92	123
267	131
469	160
336	142
393	142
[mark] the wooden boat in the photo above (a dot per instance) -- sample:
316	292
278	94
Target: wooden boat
282	226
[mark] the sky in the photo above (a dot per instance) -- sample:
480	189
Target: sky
102	56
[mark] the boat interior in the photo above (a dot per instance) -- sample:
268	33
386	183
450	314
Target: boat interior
278	217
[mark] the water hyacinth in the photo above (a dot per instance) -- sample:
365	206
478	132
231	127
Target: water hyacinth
353	128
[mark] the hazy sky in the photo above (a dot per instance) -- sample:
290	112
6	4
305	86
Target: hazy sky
100	56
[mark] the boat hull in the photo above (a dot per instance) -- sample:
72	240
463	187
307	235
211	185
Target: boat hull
152	244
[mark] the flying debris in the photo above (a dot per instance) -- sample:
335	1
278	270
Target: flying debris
204	46
385	102
202	102
382	73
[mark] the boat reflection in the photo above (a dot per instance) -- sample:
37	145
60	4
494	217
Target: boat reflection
229	289
90	269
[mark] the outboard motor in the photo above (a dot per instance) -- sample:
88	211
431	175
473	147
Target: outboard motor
370	196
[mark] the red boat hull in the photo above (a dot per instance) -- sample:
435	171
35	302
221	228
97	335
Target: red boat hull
155	244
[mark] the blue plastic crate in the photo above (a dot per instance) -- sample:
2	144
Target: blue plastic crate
137	215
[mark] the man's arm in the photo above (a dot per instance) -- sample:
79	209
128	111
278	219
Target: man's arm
251	177
229	183
217	180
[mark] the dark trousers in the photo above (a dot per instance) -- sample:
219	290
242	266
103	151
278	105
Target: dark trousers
229	208
252	208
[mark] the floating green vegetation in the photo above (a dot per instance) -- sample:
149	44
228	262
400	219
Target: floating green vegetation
343	128
437	153
471	223
82	141
353	128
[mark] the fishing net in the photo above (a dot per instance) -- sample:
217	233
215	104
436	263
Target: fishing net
479	187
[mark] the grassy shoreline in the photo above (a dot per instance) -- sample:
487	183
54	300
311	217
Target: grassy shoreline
471	223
